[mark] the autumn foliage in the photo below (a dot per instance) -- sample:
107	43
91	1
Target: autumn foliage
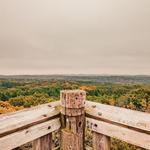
19	94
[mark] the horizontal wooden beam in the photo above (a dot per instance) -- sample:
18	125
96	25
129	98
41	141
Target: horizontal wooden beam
13	122
21	137
130	136
131	118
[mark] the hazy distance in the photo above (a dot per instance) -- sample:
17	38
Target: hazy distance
75	37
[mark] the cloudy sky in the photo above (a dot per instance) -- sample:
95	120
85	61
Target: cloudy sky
75	37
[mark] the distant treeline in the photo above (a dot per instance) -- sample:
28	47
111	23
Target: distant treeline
129	79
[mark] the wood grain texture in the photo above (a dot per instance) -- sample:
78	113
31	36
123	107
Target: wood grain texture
43	143
71	141
13	121
100	141
73	98
130	136
21	137
139	120
72	111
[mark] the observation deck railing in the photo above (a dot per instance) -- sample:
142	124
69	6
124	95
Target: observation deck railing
71	115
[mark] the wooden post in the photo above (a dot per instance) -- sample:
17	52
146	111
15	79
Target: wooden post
72	135
100	142
43	143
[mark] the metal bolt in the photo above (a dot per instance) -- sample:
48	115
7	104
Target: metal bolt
99	113
93	106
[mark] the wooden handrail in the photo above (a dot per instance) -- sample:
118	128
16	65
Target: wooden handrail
128	125
37	123
27	125
111	130
21	119
21	137
131	118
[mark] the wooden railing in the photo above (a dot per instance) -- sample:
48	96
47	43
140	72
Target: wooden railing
127	125
72	114
27	125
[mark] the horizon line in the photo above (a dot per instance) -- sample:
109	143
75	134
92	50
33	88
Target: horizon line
75	74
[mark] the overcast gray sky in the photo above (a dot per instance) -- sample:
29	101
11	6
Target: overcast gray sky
75	36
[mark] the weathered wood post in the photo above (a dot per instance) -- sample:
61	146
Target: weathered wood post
43	143
101	142
73	119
